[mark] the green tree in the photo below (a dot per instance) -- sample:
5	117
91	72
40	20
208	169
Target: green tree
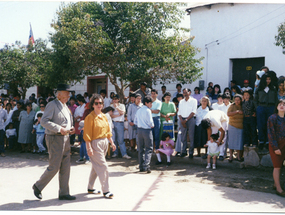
127	41
280	38
23	68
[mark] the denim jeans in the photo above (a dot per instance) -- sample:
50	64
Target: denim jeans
262	115
40	142
2	134
145	146
83	151
156	131
249	131
119	138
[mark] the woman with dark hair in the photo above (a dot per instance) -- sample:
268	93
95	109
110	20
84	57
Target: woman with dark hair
276	130
96	135
217	91
235	127
197	95
209	92
15	119
235	90
167	111
281	91
265	98
228	91
26	119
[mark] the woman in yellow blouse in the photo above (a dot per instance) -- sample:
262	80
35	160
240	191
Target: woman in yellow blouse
96	135
235	128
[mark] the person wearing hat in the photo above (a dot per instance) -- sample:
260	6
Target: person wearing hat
246	85
143	91
58	123
118	121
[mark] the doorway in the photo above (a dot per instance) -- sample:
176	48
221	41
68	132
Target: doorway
245	69
96	83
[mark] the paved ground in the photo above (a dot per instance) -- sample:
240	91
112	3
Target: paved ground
185	186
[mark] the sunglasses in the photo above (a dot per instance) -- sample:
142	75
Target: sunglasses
96	103
42	106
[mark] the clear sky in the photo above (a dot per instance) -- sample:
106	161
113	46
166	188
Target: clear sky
16	16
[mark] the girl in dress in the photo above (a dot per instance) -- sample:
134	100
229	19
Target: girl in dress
213	150
166	147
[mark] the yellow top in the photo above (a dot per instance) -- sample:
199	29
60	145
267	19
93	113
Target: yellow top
236	120
96	127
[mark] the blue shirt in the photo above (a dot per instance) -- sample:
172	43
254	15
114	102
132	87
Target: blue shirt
39	129
143	118
156	105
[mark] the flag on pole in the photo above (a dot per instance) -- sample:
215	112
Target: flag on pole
31	37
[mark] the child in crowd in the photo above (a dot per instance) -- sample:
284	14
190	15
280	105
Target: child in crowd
249	120
213	150
40	131
219	105
166	147
109	111
11	134
83	152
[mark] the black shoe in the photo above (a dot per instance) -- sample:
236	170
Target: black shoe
205	156
168	163
37	192
178	154
158	163
67	197
191	156
148	170
221	158
183	155
142	170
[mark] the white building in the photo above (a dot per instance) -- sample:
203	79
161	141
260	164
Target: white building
236	39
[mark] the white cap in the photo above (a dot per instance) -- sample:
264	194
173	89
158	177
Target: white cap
260	73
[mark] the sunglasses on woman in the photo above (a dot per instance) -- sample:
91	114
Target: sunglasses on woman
96	103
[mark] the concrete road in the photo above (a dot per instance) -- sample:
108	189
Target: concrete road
133	191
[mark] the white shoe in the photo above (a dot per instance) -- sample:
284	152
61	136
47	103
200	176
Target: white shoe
87	162
114	156
214	166
126	156
208	166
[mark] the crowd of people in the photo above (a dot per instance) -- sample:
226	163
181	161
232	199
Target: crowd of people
149	122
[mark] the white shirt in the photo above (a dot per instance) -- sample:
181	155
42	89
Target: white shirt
3	116
187	107
216	117
9	117
107	102
213	147
79	111
11	132
246	88
116	112
221	107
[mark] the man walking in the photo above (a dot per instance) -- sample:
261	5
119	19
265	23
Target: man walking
58	124
186	112
144	122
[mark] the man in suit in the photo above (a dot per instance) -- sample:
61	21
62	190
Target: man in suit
58	123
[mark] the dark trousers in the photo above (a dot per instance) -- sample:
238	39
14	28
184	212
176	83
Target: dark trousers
145	147
262	115
249	131
156	131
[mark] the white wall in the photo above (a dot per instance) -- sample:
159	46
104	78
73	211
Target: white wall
243	31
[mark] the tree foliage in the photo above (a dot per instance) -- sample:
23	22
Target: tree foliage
23	68
126	41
